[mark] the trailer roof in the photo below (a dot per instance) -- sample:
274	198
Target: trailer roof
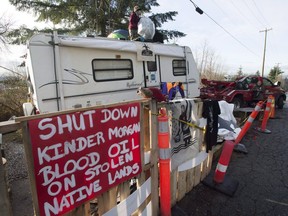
108	44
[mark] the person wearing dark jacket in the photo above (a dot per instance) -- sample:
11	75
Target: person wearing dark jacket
133	23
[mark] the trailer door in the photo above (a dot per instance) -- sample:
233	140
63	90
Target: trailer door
151	73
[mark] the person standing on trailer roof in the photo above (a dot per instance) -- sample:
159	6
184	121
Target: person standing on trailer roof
133	23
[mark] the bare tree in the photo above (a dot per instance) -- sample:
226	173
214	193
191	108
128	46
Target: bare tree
208	63
5	27
13	93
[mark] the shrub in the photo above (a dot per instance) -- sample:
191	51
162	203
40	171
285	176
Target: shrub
13	93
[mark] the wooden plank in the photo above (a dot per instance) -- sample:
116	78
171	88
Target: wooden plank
200	133
30	159
146	127
46	115
204	169
140	181
217	152
197	176
101	206
107	200
83	210
4	196
190	180
144	207
210	159
147	211
146	174
154	158
181	185
143	136
124	190
9	126
128	206
173	188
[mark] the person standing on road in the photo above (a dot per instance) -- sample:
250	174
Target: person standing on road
133	23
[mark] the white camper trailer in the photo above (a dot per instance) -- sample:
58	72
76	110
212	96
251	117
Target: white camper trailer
67	72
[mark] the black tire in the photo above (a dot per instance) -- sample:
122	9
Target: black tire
280	103
238	102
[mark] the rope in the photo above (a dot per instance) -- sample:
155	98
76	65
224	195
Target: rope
196	126
188	123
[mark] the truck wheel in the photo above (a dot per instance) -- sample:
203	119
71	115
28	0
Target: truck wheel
280	103
238	102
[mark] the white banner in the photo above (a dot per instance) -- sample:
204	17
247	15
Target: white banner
184	138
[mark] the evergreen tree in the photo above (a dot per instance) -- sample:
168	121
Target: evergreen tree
240	72
90	17
274	73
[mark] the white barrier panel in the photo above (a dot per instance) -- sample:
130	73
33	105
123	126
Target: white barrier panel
129	205
193	162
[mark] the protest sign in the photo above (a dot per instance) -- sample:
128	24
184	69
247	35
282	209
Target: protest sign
77	156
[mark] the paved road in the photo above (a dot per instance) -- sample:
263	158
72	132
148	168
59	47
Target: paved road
262	176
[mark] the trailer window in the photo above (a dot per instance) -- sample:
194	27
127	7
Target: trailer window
152	66
267	82
112	69
179	67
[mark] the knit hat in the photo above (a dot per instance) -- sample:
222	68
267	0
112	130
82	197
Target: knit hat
136	8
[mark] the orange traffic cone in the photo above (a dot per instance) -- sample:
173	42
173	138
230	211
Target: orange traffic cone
272	112
249	122
263	128
238	146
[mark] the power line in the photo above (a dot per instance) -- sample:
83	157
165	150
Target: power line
260	12
223	11
253	14
273	46
242	15
200	11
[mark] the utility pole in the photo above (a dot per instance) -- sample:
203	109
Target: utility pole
266	30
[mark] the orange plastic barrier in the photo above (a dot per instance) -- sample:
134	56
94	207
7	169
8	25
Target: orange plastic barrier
249	122
266	117
272	112
223	161
164	163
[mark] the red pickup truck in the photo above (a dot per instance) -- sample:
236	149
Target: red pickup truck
244	91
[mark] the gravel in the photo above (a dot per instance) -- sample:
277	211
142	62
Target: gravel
17	174
16	161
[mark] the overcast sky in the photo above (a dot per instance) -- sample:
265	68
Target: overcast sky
231	28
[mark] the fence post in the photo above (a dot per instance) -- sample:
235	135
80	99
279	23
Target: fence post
154	158
5	205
